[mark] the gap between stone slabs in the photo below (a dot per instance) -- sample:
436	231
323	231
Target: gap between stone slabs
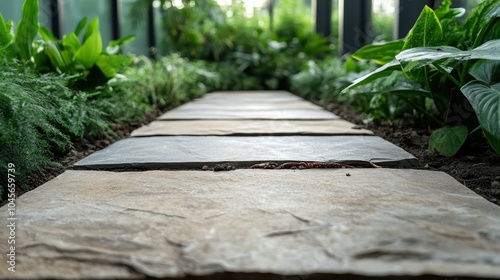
375	222
195	151
249	128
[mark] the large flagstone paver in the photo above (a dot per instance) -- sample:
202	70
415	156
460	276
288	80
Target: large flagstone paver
249	114
195	151
250	127
253	106
228	104
377	222
265	96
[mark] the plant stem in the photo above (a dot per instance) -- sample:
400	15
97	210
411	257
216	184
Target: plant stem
447	74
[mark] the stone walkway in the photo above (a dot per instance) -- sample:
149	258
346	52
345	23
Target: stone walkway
145	207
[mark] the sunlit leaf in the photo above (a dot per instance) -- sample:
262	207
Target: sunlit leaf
381	72
111	64
27	29
426	32
425	56
6	35
80	26
379	53
46	34
71	42
88	53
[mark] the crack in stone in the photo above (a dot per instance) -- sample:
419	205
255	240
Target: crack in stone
215	216
287	232
97	257
147	211
392	256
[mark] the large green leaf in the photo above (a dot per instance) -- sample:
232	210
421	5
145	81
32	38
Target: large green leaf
6	35
115	45
379	53
52	51
27	29
88	53
80	26
111	64
92	28
46	34
425	56
487	71
380	72
71	42
485	100
448	140
426	32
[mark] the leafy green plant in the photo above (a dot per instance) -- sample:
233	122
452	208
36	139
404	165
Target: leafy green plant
84	59
453	79
321	81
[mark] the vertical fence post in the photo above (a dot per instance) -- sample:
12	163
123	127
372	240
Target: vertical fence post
116	12
355	24
51	15
151	32
323	12
407	13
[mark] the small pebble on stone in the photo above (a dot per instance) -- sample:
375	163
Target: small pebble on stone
205	168
495	184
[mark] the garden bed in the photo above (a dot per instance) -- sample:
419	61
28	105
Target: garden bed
479	170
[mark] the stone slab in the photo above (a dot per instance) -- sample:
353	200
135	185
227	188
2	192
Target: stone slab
246	114
195	151
252	96
249	127
375	222
229	104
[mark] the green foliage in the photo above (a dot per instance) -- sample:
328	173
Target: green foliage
448	140
263	59
39	115
85	60
27	30
451	72
320	81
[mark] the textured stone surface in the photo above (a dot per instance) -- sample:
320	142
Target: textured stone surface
89	224
250	127
265	96
249	105
242	114
230	104
195	151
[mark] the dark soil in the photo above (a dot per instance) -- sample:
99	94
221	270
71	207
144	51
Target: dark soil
479	170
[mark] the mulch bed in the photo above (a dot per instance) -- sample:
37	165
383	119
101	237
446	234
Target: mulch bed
479	170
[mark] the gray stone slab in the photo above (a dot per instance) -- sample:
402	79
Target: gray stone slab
240	114
375	222
229	104
195	151
253	96
249	127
